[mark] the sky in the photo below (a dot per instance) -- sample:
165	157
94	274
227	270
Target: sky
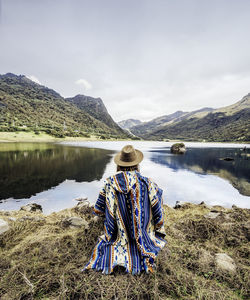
144	58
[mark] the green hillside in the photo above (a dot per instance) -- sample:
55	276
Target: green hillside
96	108
28	106
226	124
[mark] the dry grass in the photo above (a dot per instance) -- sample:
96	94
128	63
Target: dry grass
42	260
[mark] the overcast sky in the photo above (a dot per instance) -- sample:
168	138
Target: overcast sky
144	58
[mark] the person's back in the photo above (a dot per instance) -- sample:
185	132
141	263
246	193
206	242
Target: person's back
134	218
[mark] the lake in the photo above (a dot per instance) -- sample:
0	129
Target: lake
55	174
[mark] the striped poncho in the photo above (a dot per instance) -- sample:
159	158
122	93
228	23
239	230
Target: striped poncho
133	227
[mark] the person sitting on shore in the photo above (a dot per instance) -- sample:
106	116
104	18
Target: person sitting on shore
132	206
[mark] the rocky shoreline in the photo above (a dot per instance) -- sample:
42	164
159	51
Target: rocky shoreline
206	257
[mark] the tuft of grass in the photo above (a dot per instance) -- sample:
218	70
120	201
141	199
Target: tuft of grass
42	259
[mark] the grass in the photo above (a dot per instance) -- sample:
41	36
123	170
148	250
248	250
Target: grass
22	136
42	259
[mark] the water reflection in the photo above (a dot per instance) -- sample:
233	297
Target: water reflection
32	168
53	175
209	161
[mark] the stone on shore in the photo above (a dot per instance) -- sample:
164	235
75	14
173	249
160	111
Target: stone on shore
4	226
32	207
75	222
184	205
225	263
203	204
96	219
81	199
212	215
218	208
83	204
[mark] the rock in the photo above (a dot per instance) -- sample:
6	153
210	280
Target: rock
212	215
81	199
83	204
203	204
75	222
227	158
217	208
234	206
38	219
96	219
178	148
180	204
177	204
4	226
32	207
225	263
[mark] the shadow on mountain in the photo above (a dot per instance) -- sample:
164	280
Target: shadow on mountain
27	169
209	161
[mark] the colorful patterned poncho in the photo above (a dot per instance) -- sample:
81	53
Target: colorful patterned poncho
134	233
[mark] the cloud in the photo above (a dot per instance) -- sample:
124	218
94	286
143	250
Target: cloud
34	78
84	83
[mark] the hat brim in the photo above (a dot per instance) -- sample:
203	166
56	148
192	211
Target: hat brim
119	162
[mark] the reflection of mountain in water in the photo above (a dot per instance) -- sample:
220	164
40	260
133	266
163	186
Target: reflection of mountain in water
207	161
24	173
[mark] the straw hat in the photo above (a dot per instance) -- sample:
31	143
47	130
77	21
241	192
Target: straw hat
128	157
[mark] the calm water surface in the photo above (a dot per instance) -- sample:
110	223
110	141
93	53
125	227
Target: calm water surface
53	175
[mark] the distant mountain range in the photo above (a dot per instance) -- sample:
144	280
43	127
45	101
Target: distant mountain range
229	123
26	105
127	124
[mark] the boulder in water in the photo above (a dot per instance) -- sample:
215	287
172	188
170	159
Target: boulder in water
227	158
178	148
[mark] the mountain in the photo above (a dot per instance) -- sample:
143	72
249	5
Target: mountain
157	123
127	124
226	124
26	105
94	107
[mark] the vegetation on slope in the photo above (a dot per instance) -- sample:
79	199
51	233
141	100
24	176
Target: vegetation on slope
94	107
157	123
41	258
226	124
214	127
28	106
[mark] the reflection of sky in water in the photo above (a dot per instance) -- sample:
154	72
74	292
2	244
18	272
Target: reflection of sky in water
181	185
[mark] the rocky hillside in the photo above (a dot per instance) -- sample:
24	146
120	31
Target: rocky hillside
26	105
230	123
94	107
206	257
127	124
157	123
